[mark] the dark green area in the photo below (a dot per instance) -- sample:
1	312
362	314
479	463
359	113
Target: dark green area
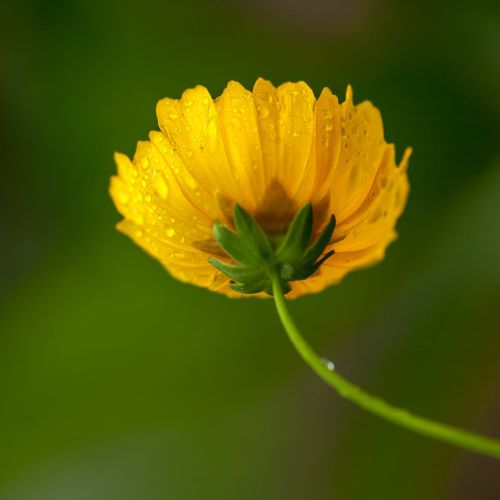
117	382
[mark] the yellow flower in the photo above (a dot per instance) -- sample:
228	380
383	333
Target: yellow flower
271	151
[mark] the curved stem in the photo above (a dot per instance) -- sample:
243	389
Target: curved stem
452	435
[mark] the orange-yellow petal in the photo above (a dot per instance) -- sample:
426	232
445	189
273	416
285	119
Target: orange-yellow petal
361	150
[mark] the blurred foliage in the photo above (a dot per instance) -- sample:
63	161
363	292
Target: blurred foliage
116	382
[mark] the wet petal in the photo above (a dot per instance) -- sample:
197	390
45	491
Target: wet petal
374	220
190	126
327	142
285	119
361	150
238	125
158	217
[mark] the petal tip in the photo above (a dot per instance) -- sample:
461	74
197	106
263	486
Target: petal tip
262	81
406	157
326	92
348	93
117	157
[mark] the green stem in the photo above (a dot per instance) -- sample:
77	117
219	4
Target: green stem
452	435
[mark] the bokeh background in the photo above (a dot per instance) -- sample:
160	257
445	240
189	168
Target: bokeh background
117	382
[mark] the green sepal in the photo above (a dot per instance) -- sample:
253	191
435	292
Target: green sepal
317	248
297	237
291	273
255	260
248	288
239	273
231	243
251	235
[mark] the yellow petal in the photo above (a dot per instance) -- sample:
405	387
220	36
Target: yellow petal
361	149
285	121
191	128
374	220
237	122
327	140
158	217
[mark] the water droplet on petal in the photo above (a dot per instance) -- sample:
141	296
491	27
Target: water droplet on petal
145	162
160	186
170	231
263	111
265	96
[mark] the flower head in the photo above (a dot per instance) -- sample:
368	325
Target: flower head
269	152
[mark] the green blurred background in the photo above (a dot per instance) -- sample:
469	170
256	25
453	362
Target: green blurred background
117	382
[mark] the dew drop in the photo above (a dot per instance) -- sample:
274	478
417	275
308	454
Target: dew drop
265	96
160	186
173	116
170	231
263	111
145	162
211	133
329	364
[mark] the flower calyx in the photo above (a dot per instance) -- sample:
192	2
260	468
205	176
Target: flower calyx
257	256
